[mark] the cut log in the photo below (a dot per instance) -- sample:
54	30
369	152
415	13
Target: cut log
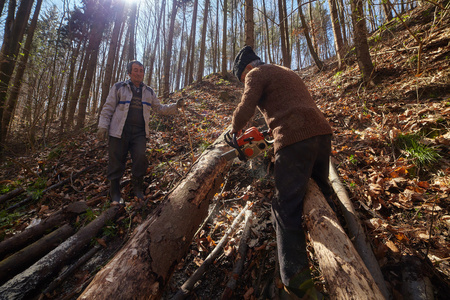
242	252
11	194
187	287
22	259
34	233
142	268
356	232
25	283
345	274
31	234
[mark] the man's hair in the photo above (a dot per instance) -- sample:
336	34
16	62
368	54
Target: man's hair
130	65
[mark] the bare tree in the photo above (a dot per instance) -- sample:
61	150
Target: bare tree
17	84
201	63
336	32
168	56
360	37
14	27
224	38
249	24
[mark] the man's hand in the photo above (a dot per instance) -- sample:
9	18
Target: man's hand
102	134
180	103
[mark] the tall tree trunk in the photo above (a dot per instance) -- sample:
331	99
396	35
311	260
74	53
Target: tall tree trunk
387	11
336	32
13	35
156	43
201	63
168	56
74	96
191	52
342	22
312	51
269	53
249	24
360	37
119	20
17	84
224	38
93	49
132	30
68	90
182	51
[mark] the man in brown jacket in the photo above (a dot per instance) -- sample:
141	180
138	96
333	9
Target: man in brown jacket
302	150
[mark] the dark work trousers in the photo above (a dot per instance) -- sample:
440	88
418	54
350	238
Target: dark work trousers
133	140
294	166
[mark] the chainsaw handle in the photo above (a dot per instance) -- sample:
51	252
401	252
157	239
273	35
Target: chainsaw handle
232	141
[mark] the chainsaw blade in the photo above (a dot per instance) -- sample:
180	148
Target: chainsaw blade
230	155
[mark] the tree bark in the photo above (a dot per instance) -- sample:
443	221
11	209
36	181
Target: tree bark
336	32
14	30
168	56
30	235
26	282
17	84
356	232
106	85
201	64
312	51
344	272
224	37
20	260
160	243
93	49
360	37
249	24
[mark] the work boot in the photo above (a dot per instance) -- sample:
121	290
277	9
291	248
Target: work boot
114	191
137	183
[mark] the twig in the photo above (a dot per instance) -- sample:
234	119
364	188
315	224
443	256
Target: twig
243	246
189	134
189	284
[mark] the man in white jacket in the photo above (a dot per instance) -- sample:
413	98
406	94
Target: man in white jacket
124	119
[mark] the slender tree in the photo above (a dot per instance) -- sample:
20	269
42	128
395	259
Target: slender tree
249	24
119	14
360	37
14	29
17	84
168	55
336	32
224	38
311	48
201	64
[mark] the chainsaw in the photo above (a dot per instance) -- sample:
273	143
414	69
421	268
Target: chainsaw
251	143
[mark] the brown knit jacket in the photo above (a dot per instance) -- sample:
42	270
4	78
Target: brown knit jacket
283	99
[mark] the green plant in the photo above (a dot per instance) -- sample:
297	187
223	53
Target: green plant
37	189
353	159
411	146
110	229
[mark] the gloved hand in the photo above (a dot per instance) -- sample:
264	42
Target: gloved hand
102	134
180	103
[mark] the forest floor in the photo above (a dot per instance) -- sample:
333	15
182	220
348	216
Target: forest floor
390	146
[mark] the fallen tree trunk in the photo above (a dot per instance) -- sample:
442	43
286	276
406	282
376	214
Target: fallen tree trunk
25	283
345	274
142	268
22	259
11	194
356	232
32	234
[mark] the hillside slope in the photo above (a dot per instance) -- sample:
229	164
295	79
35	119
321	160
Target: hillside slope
391	148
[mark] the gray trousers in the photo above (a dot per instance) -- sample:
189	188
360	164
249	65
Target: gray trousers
134	141
294	166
